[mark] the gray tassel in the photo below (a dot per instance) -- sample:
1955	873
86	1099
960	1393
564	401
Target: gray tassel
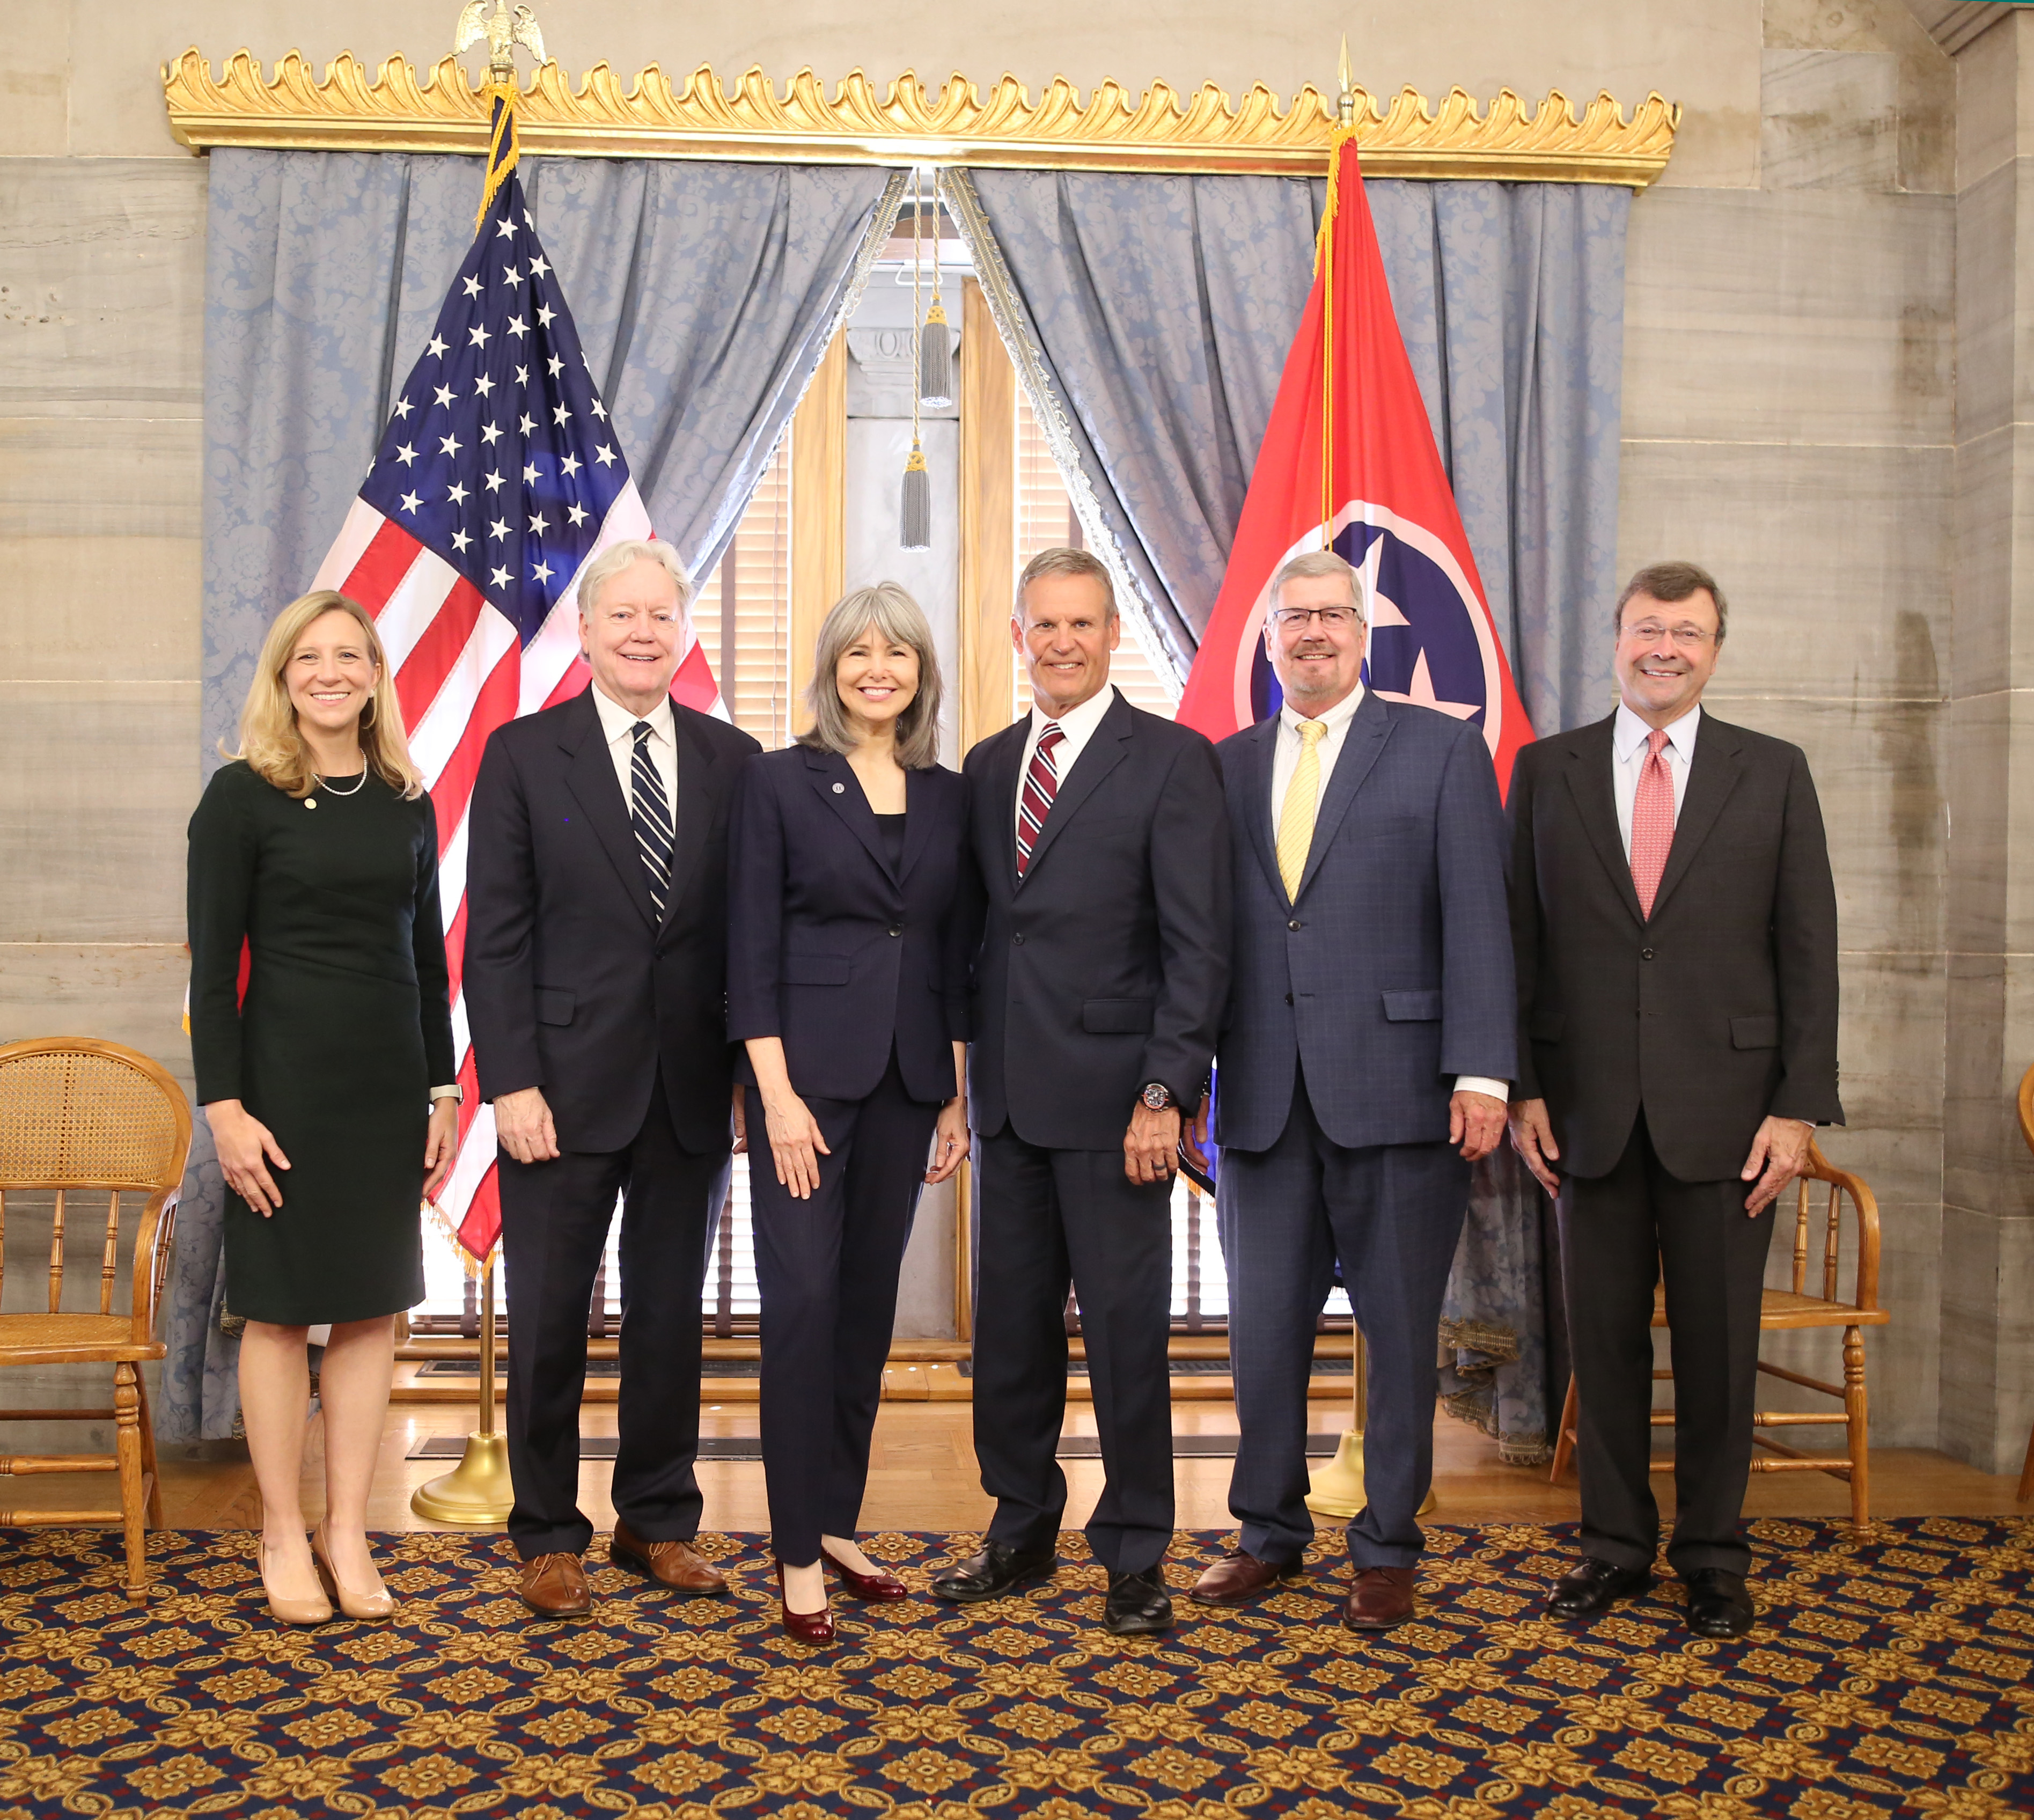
936	372
918	501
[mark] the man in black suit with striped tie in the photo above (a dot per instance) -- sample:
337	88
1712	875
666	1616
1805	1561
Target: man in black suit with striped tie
596	982
1100	842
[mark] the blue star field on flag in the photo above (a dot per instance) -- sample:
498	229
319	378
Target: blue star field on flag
498	456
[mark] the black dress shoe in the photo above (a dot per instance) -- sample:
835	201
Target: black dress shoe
1138	1605
1592	1587
1718	1604
997	1570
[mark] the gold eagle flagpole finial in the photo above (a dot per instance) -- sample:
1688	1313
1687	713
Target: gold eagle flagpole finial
504	28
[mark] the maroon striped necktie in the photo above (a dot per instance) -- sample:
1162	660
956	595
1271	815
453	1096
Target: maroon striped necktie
1042	784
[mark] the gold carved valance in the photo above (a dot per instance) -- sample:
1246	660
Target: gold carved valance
441	110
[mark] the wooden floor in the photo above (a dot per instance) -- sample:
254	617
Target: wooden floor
922	1477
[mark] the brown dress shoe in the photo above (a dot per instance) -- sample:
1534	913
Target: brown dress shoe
675	1564
1238	1578
555	1586
1380	1598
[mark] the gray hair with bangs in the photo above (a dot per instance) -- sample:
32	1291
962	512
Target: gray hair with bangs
891	613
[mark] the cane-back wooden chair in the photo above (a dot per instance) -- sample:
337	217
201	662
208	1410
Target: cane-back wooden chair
99	1132
2027	1131
1794	1307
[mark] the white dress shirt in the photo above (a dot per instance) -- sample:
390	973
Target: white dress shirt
1285	760
1628	737
618	727
1078	724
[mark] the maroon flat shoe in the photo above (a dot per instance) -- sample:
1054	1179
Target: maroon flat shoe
806	1627
882	1588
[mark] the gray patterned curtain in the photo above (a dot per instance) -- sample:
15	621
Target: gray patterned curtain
1150	317
704	294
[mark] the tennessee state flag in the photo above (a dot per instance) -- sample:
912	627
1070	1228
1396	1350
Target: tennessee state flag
1349	462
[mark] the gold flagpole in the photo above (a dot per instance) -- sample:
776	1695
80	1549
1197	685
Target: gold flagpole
476	1493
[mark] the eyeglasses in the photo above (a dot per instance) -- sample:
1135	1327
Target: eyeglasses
1685	637
1332	618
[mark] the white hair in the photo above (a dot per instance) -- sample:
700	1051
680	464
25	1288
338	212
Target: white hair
618	557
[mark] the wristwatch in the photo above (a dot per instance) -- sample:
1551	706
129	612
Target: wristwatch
456	1094
1157	1096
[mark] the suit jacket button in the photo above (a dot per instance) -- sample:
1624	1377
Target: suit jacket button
895	929
1018	940
1288	998
1294	925
1645	953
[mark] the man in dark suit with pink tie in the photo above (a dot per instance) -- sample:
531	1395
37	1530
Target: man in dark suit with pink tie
1674	927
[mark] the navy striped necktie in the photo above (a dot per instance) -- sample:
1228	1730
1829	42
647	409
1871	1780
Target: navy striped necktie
650	814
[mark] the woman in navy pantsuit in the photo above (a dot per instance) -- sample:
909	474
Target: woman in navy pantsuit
846	979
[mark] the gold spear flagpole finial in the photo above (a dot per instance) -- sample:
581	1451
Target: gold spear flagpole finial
1346	77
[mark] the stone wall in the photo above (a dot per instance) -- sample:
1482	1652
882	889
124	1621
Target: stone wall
1791	418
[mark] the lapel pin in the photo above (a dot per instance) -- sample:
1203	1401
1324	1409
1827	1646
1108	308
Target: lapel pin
840	789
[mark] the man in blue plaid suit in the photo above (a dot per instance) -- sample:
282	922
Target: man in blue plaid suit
1362	1068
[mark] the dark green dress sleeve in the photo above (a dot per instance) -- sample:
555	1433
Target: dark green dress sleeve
220	888
427	941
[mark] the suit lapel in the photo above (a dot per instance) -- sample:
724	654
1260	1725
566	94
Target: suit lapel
918	819
1260	751
1368	730
1590	761
590	776
1007	756
829	774
693	812
1105	750
1713	775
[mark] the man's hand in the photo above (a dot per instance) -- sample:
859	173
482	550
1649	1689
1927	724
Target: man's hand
1193	1140
523	1125
1476	1121
1150	1144
741	1123
1533	1137
1780	1149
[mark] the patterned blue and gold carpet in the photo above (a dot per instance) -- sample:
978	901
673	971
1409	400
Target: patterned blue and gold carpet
1893	1673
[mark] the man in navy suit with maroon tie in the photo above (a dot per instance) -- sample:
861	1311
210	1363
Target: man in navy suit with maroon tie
1101	846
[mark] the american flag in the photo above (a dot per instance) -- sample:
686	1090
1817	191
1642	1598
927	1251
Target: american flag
498	476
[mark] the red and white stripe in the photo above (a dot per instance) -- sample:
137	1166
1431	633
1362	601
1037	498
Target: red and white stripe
460	672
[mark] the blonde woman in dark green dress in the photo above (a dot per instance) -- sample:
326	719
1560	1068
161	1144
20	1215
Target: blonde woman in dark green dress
328	1086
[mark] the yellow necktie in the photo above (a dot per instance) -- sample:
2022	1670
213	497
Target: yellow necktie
1296	814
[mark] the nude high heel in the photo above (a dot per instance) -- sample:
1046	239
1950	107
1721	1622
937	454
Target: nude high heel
291	1611
370	1605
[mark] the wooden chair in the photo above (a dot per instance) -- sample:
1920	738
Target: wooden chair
2027	1131
1795	1308
79	1117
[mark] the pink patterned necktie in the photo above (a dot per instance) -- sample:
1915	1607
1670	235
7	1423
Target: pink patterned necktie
1652	821
1042	784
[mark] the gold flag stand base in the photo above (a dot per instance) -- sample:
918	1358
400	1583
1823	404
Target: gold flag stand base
1338	1489
1338	1486
476	1494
